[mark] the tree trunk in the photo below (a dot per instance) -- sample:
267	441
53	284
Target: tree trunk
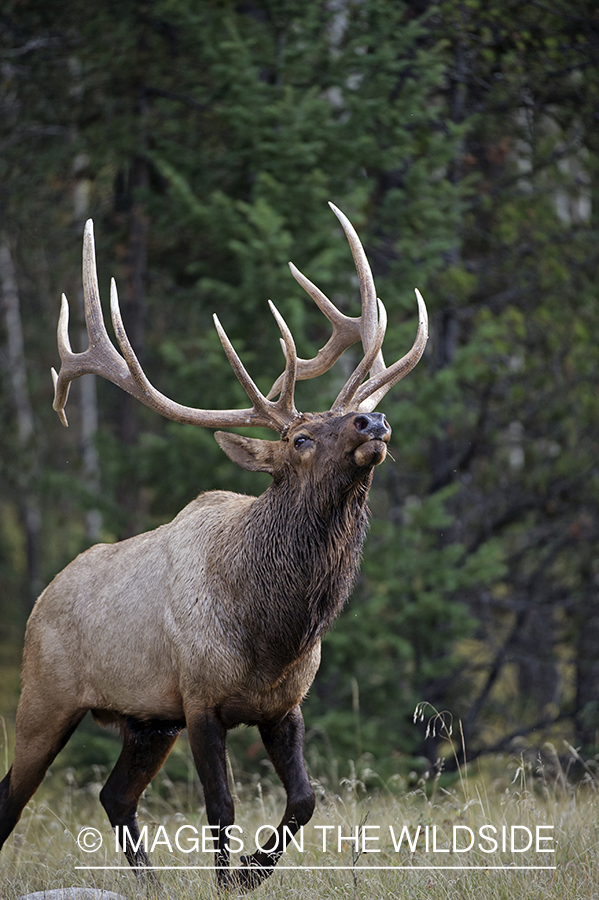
88	402
134	314
28	469
586	719
539	681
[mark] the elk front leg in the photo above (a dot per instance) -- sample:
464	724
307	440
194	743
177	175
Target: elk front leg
207	737
284	743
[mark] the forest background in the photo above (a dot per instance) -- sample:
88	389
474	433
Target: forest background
205	139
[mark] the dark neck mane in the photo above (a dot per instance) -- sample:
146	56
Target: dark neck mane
304	553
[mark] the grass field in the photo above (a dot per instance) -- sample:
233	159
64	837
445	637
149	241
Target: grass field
514	802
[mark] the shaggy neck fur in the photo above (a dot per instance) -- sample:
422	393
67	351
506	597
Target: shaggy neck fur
303	548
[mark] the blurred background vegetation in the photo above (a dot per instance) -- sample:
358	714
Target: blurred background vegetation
205	138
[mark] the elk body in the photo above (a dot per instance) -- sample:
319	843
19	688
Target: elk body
216	618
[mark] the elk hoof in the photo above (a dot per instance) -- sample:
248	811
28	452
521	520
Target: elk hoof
249	875
242	880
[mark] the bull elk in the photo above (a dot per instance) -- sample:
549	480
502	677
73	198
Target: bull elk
216	618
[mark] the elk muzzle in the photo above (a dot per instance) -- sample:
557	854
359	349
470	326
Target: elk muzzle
375	432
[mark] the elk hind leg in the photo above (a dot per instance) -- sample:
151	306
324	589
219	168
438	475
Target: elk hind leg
40	735
145	749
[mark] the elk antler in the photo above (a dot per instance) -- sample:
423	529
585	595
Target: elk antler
101	358
348	331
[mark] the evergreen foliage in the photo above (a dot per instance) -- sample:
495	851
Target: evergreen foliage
205	139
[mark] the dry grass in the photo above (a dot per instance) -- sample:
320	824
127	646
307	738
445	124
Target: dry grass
43	852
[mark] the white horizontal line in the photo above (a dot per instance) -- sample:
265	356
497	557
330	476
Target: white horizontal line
326	868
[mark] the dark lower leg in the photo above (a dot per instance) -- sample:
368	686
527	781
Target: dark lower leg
207	736
284	743
145	749
9	812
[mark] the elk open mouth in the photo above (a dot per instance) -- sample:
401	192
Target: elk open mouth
370	453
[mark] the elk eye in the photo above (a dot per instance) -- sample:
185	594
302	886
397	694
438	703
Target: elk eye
301	439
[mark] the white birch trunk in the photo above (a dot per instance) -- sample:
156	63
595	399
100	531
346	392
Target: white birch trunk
88	402
17	378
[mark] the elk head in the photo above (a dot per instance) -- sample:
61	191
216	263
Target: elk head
358	435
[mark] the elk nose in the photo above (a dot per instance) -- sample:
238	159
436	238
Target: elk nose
374	425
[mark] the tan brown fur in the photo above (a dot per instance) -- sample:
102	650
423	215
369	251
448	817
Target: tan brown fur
216	618
217	614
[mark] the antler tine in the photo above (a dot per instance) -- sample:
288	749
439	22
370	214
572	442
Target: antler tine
283	411
242	374
101	358
370	329
61	388
348	391
290	374
368	319
372	392
347	330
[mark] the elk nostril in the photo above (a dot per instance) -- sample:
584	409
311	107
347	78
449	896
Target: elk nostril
361	423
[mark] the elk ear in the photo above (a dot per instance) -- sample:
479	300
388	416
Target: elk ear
249	453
